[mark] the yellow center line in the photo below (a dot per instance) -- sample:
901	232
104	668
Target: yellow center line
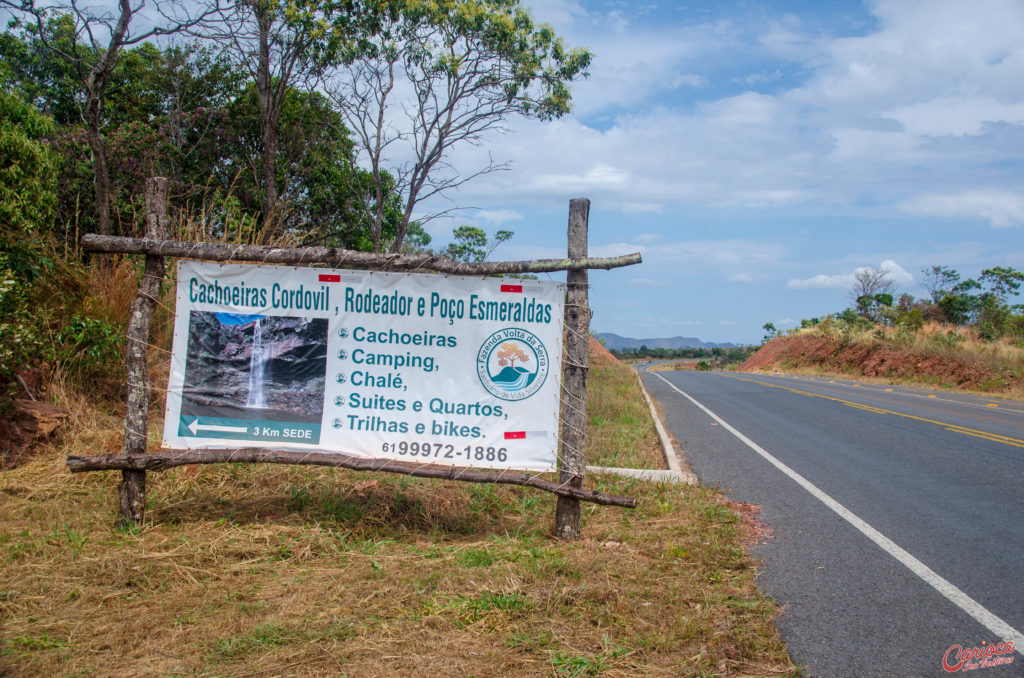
994	437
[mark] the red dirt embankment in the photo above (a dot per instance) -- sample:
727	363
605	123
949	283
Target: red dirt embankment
599	354
879	360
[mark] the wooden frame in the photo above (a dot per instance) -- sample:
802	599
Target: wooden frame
135	461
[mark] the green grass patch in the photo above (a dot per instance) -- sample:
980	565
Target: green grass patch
277	570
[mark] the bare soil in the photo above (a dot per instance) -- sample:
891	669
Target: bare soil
883	360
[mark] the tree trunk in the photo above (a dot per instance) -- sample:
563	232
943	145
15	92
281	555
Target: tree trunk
132	493
572	462
95	86
101	175
269	115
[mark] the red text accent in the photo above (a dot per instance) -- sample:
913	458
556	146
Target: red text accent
957	657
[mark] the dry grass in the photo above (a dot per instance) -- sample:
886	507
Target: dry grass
242	570
620	432
937	356
676	365
961	341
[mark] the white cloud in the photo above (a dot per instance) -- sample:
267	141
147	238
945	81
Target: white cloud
647	282
1000	208
740	279
562	13
760	78
955	116
617	22
599	177
613	249
930	98
734	253
821	281
897	274
689	79
498	217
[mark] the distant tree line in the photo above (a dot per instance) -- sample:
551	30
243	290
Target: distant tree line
720	355
985	303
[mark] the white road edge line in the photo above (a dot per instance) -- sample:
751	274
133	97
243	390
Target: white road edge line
997	626
668	449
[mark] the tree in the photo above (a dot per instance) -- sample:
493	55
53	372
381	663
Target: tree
467	65
283	46
1002	281
28	179
993	314
769	332
938	281
875	306
472	245
91	42
869	281
28	172
311	163
960	303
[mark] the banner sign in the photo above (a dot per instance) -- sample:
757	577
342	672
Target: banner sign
440	369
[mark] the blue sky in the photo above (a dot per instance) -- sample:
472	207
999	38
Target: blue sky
758	153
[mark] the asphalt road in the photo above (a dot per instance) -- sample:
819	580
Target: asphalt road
897	514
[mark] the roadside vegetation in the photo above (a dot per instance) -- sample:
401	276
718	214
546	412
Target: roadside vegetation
965	335
271	121
719	357
620	431
263	570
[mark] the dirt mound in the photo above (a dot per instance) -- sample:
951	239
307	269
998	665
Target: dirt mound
27	423
789	352
878	360
599	355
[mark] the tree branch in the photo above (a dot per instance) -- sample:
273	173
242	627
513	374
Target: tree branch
333	256
167	459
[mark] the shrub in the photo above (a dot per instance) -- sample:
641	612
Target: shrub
912	320
91	343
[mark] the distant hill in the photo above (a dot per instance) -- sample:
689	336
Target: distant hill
618	343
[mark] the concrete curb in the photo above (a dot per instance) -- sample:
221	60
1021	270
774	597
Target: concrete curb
656	475
671	458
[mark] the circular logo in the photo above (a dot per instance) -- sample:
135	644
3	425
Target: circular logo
512	364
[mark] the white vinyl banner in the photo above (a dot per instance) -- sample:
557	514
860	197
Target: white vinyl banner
440	369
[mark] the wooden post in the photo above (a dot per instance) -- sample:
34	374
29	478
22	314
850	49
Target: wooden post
571	461
132	494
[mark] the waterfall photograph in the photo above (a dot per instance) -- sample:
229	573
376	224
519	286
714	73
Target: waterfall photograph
256	367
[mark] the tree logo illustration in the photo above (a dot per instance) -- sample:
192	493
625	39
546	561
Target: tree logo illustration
512	364
509	353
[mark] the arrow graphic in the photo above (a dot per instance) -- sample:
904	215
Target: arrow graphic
195	427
